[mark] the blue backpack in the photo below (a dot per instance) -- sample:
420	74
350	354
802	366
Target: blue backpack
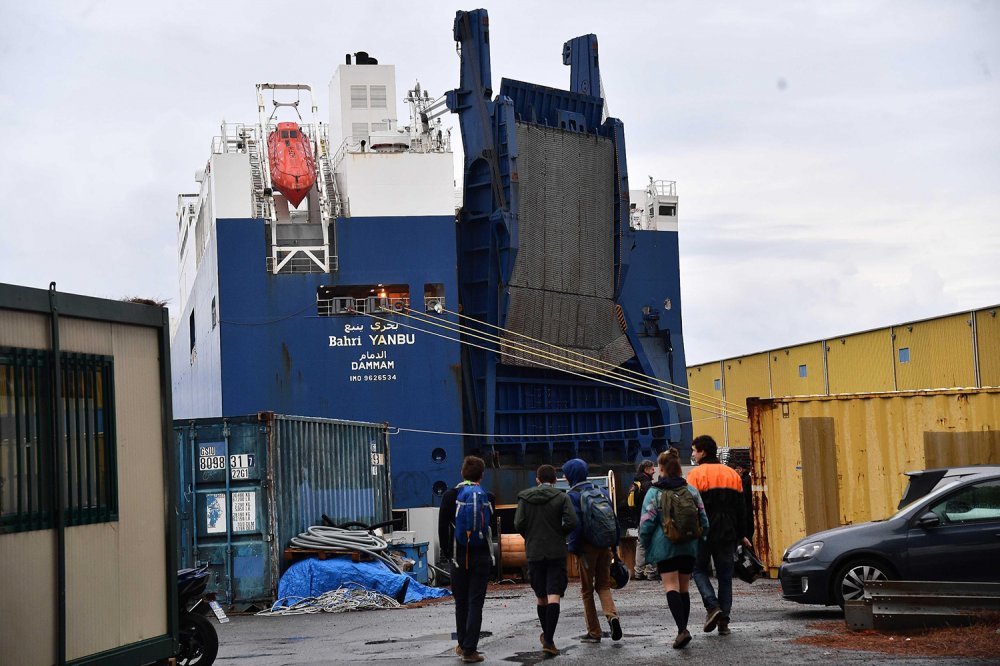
600	525
473	516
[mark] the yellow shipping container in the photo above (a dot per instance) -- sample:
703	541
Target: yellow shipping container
824	461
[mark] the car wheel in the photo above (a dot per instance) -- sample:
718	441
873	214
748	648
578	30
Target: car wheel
850	581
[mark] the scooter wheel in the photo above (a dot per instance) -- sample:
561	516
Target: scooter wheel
198	640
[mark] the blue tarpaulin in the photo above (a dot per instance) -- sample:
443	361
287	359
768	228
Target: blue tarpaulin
312	577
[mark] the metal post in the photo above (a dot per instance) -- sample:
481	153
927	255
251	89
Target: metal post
229	518
58	443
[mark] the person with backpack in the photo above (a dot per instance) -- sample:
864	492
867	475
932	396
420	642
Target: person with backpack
466	538
721	489
672	523
645	569
595	535
544	517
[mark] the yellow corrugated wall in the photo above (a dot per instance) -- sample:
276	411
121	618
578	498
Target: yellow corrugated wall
940	353
744	377
860	363
785	379
988	346
706	401
871	440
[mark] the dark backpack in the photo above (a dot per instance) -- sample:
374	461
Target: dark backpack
679	512
473	515
600	526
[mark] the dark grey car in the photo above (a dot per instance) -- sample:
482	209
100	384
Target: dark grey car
952	533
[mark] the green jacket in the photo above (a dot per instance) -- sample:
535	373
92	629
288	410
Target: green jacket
658	546
544	517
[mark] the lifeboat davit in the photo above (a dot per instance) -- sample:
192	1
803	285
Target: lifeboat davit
290	157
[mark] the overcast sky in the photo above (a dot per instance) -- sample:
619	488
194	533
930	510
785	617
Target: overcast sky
838	163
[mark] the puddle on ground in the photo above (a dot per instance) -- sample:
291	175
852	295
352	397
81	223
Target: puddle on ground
532	658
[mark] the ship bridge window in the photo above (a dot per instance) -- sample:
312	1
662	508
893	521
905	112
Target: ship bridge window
668	210
352	300
284	134
293	134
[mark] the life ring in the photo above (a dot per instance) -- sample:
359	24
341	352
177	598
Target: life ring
398	306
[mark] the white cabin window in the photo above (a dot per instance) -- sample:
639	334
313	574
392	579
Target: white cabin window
380	127
378	97
359	131
359	97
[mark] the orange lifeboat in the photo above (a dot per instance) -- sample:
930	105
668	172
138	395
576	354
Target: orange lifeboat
290	158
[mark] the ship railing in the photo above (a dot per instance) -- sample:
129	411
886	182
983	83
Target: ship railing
233	138
666	188
347	305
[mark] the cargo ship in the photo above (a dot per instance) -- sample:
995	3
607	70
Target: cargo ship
531	316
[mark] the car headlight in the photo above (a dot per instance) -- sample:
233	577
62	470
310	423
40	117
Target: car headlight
805	551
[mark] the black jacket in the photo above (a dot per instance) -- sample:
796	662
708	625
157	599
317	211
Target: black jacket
446	523
544	517
645	483
721	490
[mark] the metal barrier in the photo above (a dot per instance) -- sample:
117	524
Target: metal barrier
898	604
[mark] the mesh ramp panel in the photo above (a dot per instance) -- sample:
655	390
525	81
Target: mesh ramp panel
562	286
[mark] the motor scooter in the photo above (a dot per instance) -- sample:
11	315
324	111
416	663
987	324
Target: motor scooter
199	642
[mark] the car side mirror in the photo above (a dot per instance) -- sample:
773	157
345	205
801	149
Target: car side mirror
929	519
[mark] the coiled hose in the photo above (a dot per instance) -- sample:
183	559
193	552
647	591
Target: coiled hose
337	538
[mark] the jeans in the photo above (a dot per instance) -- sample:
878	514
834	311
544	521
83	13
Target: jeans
722	556
642	567
468	585
595	575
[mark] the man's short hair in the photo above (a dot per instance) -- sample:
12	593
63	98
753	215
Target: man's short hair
706	445
644	465
546	474
473	468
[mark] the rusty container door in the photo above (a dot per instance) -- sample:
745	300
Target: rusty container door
825	461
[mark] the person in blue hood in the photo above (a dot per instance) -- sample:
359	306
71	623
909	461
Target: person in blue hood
594	562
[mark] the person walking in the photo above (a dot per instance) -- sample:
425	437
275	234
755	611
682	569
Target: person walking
591	541
544	517
673	521
721	490
465	537
644	568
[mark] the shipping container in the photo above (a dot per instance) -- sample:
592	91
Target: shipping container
824	461
87	523
953	351
249	484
